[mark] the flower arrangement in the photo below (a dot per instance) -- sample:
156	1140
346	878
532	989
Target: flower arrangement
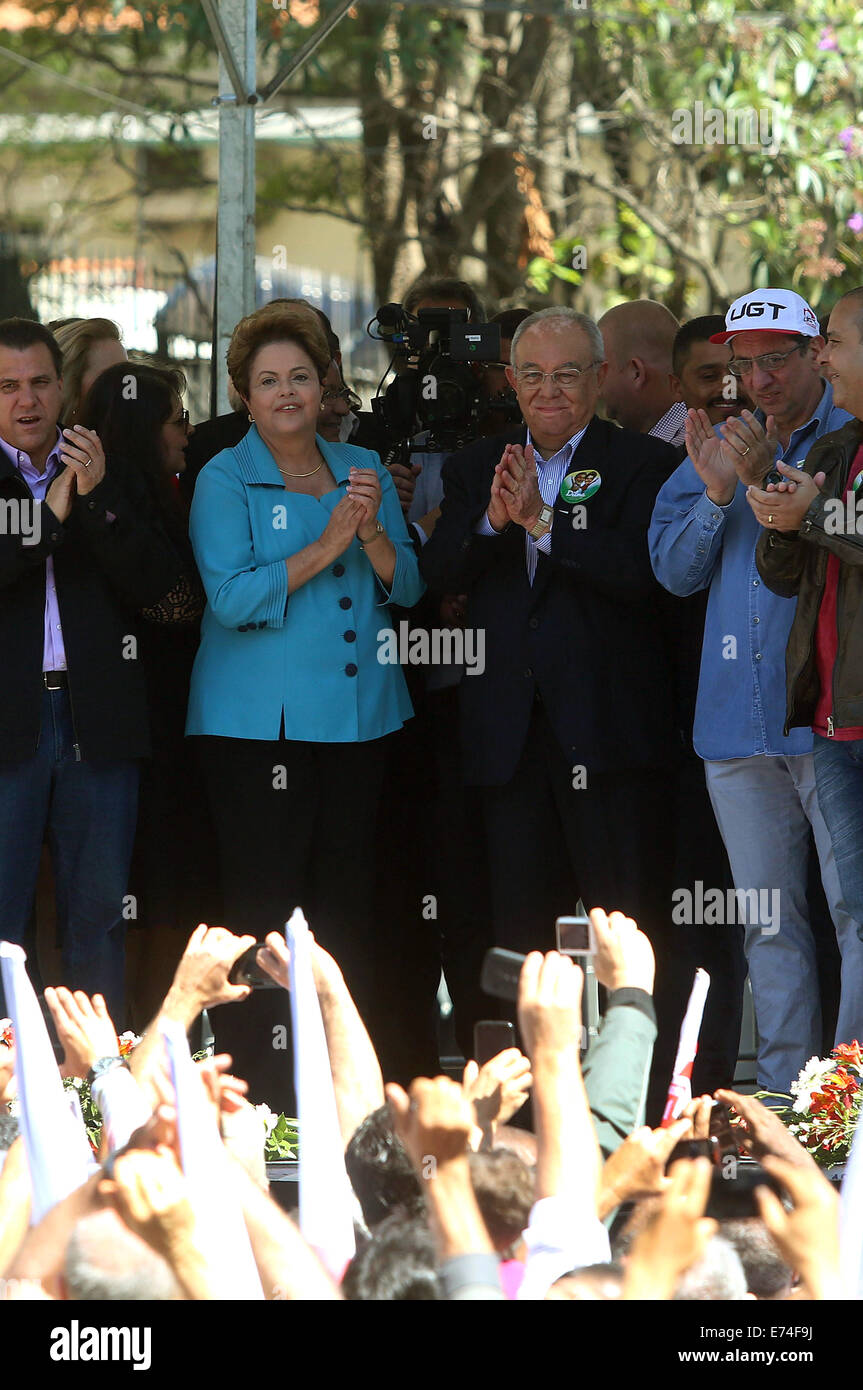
828	1098
283	1136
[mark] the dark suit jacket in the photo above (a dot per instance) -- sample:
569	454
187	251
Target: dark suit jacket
110	560
589	635
208	439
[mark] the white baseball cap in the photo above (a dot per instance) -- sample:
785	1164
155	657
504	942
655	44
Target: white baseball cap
769	311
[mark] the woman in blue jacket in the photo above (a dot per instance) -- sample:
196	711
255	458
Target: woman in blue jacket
301	546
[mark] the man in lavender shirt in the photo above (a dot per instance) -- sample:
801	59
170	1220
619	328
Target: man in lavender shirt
76	562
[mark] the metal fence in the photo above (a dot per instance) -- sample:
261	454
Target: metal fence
169	316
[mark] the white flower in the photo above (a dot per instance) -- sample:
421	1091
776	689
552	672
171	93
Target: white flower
270	1120
810	1080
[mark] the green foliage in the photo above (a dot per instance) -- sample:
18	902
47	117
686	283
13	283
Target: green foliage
89	1109
797	71
283	1141
785	210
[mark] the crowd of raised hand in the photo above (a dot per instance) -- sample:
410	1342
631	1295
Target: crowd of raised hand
450	1200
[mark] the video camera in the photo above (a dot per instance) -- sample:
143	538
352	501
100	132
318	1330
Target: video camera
438	391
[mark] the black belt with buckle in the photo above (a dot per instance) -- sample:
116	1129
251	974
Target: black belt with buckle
55	680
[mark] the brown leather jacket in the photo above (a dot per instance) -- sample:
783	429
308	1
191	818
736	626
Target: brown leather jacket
796	563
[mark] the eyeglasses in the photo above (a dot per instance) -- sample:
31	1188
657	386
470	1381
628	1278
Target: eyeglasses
564	380
182	419
768	361
346	394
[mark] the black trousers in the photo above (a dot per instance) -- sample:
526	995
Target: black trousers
609	842
700	855
458	869
296	825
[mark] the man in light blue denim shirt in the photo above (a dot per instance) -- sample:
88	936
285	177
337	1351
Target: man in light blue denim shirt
761	781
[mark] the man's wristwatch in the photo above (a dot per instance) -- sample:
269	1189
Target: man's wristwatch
543	526
103	1065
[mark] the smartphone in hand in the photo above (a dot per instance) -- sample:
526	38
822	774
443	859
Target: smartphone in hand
491	1036
246	971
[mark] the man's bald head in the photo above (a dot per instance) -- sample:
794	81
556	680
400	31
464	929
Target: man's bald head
643	328
639	338
105	1260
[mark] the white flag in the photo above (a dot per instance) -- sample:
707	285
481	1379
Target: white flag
680	1090
206	1170
58	1153
326	1197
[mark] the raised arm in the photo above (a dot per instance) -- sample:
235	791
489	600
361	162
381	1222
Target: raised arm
200	982
617	1067
357	1078
434	1123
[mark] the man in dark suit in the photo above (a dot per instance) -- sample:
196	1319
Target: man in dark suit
74	723
568	729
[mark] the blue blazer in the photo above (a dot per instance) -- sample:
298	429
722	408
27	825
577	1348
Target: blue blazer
312	656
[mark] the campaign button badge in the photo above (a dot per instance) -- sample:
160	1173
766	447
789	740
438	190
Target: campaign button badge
857	483
578	486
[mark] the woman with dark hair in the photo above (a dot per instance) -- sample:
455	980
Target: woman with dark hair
301	546
138	413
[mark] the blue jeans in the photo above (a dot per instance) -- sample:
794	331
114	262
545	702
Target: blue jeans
764	807
839	777
88	811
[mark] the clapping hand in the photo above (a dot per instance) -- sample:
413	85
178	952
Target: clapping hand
713	465
749	445
347	515
81	451
364	486
519	485
782	506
